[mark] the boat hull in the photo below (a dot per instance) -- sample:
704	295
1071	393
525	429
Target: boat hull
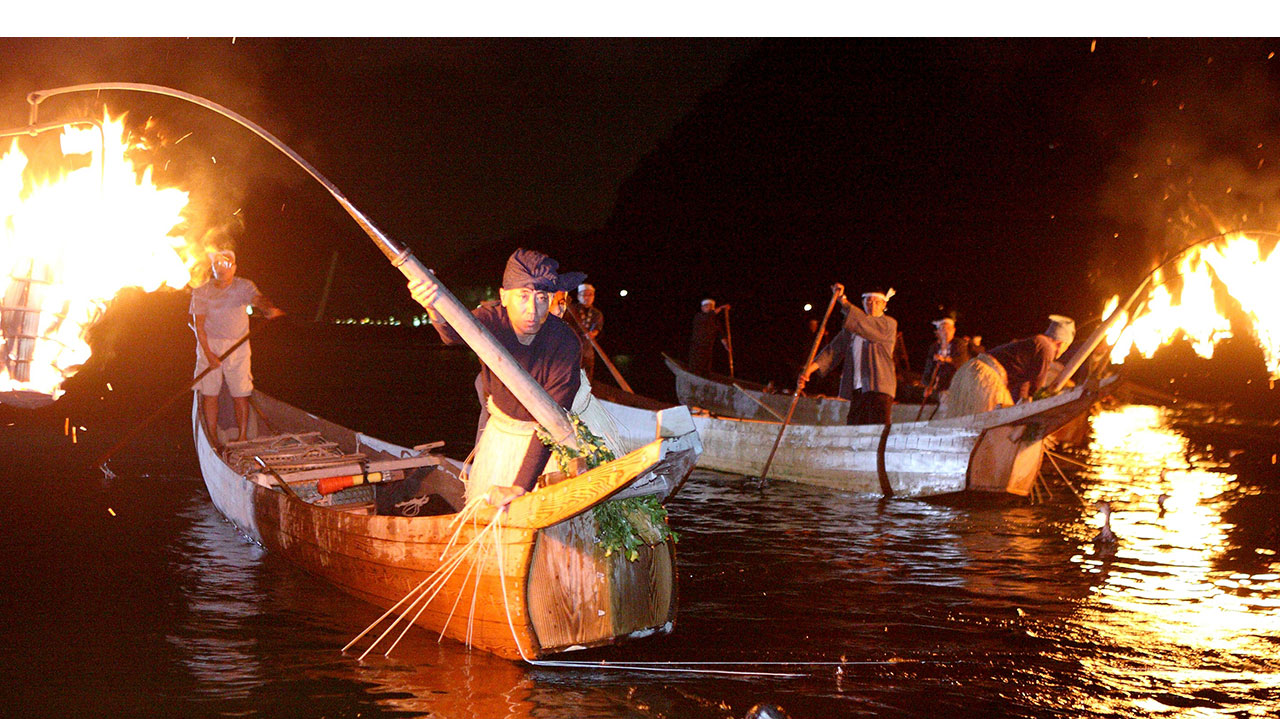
917	462
535	585
997	451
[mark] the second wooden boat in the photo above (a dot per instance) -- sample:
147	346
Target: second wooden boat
997	451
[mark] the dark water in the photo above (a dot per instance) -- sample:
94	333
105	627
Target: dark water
134	597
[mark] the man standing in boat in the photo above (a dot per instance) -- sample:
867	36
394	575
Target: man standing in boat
1010	373
864	348
946	354
509	456
590	321
707	328
220	317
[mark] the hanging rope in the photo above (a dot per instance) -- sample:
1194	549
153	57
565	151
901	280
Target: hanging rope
431	585
1064	478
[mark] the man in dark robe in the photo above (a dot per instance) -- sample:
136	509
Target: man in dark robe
864	348
1027	361
540	342
589	320
946	354
707	329
1010	373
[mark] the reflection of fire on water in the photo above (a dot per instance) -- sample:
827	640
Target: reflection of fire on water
69	244
1238	263
1171	582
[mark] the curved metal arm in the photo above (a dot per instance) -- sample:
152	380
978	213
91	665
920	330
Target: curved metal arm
1082	353
540	404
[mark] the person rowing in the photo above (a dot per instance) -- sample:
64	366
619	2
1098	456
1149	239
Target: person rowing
864	348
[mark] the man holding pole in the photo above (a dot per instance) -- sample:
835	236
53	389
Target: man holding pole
509	456
946	354
707	328
590	322
864	348
219	310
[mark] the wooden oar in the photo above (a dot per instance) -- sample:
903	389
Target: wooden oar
928	390
617	376
284	486
728	339
763	406
101	462
836	294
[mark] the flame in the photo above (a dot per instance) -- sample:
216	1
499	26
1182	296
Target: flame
1238	264
71	242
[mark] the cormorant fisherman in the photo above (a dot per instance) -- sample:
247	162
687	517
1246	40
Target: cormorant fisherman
509	456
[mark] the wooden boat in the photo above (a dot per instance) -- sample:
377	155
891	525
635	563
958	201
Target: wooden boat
540	586
997	451
729	397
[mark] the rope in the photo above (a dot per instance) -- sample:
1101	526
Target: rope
1065	480
1065	458
433	583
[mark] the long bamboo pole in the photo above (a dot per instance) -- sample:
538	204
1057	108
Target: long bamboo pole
836	294
102	460
544	409
595	346
728	339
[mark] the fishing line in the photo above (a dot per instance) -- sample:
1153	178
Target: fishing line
667	667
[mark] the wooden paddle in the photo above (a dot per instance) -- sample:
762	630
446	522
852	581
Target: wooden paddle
284	486
728	339
837	291
928	390
101	462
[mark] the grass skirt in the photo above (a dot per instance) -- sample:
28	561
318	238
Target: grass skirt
505	440
980	385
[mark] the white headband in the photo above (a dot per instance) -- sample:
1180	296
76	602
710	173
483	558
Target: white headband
882	295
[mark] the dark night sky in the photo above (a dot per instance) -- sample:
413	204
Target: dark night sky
999	179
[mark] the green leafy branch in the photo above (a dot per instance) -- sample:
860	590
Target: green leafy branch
622	525
625	525
591	447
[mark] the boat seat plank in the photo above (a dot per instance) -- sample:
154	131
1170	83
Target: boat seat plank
350	468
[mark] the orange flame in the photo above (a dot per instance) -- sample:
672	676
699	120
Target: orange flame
1249	278
69	244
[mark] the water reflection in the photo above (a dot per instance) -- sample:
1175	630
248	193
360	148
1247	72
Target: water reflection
964	607
217	571
1165	595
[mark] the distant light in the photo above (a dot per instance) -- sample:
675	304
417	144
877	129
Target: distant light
807	307
622	293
